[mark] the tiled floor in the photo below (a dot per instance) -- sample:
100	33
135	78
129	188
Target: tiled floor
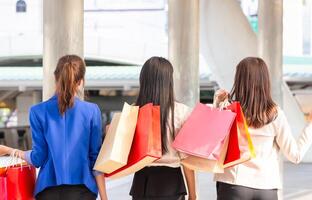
297	184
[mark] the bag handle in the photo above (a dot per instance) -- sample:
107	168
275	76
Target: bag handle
15	159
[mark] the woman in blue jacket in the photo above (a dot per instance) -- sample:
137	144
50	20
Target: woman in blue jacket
66	134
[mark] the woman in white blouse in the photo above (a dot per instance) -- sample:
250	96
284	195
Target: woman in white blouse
163	180
260	178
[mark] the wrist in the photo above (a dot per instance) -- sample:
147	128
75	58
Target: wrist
9	150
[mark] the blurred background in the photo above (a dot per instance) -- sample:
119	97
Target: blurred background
119	35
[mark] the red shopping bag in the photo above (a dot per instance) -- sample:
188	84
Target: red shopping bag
21	182
204	131
146	145
240	147
3	187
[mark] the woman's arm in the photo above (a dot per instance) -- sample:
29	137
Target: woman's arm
4	150
191	182
294	150
95	145
100	181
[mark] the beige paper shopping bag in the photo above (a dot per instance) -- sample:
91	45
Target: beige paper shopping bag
118	140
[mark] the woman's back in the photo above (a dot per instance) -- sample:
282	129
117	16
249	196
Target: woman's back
66	138
172	158
260	177
69	143
263	172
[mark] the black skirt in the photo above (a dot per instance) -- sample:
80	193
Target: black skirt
66	192
227	191
158	183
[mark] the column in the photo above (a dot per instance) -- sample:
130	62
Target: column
271	42
183	16
270	45
62	34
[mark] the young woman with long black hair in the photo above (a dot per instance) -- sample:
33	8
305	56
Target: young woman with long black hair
163	180
260	178
66	134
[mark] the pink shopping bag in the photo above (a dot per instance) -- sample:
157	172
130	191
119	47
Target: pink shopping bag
204	131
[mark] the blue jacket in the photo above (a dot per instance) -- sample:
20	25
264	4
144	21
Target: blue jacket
65	147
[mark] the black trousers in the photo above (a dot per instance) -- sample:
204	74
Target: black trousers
158	183
235	192
66	192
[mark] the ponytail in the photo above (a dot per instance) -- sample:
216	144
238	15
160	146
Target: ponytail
69	72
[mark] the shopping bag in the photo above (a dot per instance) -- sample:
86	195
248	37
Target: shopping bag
146	146
240	148
7	161
21	182
117	143
203	131
17	179
2	171
214	165
3	187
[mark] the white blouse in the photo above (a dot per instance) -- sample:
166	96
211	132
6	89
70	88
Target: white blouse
263	172
173	158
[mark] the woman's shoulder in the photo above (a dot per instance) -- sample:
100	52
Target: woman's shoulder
51	103
180	107
39	107
181	111
279	118
88	104
93	107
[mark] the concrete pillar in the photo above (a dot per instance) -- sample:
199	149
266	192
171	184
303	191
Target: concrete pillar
62	34
184	48
271	42
271	47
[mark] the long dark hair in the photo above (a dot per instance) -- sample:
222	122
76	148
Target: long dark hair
156	86
69	72
252	88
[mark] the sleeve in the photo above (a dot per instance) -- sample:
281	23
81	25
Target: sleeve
38	155
96	138
294	150
183	114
